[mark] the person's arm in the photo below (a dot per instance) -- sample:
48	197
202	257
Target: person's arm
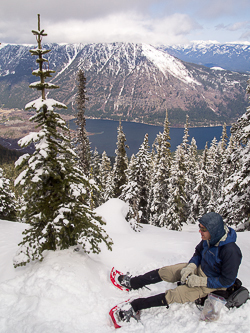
193	264
196	258
230	256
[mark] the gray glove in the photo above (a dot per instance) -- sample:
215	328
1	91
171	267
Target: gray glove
196	281
186	271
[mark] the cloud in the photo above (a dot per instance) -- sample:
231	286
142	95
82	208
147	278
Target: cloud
245	35
60	10
214	9
151	21
235	26
129	26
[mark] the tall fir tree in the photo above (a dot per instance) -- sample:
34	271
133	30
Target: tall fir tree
216	170
143	165
159	187
105	178
53	186
235	206
223	150
202	191
191	178
176	212
189	155
228	163
130	194
7	199
82	141
214	166
95	180
224	138
178	203
136	189
121	163
185	140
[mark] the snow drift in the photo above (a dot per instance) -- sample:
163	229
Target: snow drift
70	291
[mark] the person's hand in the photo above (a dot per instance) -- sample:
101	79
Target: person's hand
196	281
186	271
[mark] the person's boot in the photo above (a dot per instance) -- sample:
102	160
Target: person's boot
149	302
127	312
141	281
124	281
123	313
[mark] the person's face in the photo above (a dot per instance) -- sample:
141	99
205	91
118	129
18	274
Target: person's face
205	235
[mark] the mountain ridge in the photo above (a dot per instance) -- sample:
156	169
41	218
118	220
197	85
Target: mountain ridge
231	56
127	81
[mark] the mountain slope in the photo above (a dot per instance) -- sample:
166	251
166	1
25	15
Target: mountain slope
230	56
134	82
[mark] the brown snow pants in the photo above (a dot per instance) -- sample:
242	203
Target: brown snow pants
182	293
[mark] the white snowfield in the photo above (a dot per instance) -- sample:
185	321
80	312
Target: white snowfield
168	64
70	292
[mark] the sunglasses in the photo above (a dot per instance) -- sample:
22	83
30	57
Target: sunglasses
203	229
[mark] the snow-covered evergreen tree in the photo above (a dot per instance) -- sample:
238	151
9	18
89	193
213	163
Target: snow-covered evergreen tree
121	163
130	194
143	162
185	140
95	180
176	213
214	172
180	183
191	177
189	166
136	189
235	207
159	188
7	199
53	186
82	141
224	138
223	151
228	164
202	191
105	169
217	169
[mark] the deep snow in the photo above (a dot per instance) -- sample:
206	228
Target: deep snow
70	292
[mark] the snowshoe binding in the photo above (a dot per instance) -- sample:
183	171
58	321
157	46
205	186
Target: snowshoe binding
122	313
120	280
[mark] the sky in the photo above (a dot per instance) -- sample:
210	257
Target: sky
157	22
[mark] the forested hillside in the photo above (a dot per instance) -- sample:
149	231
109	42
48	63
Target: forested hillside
59	187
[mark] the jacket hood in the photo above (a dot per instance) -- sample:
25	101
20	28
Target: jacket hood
215	225
230	237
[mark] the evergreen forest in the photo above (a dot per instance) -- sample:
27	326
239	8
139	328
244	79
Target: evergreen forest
58	187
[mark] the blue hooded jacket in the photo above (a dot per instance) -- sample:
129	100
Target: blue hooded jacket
220	262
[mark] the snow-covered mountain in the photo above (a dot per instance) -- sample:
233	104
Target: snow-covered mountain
134	82
230	56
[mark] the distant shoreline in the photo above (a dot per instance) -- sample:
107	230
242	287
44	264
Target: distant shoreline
139	122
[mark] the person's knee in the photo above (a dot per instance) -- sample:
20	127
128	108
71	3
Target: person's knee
171	273
182	294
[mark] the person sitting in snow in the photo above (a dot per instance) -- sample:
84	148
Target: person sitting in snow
213	266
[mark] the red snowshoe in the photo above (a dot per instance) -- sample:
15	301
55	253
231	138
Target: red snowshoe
114	275
122	313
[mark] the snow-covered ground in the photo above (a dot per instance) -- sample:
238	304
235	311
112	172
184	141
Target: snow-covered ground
70	292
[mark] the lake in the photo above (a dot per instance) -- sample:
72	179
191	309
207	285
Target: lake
105	135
